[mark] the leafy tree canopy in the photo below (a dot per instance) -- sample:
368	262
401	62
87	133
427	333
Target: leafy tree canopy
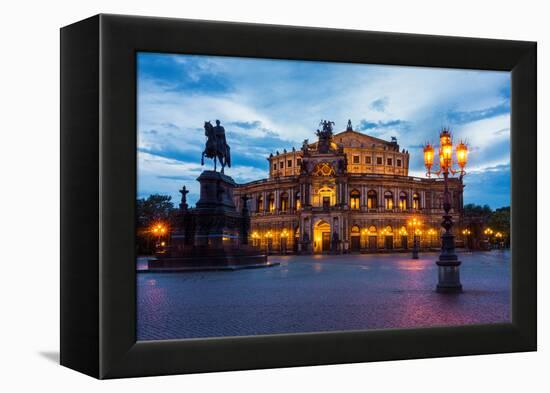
472	209
499	220
153	209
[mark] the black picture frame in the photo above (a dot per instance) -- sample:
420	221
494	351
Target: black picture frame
98	190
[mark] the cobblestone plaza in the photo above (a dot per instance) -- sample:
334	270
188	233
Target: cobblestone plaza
319	293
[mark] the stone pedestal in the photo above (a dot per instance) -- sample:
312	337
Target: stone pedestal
210	235
448	266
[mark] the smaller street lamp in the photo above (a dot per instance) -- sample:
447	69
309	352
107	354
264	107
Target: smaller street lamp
402	233
284	236
255	238
498	236
159	230
415	224
268	241
488	232
466	233
431	234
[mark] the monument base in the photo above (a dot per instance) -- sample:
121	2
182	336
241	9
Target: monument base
213	235
449	277
204	258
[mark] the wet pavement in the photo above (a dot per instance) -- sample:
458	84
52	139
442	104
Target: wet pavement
322	293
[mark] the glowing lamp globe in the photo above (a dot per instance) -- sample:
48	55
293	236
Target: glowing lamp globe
445	149
462	155
428	156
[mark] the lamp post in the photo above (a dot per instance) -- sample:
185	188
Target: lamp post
159	230
255	238
414	223
448	263
466	233
488	233
431	233
283	237
268	241
498	236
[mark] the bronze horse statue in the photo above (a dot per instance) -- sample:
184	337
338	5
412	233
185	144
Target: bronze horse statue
216	145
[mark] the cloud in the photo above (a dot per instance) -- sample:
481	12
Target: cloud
161	175
493	181
365	125
456	117
247	125
379	104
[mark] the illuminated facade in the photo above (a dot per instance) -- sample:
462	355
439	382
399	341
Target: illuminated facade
347	192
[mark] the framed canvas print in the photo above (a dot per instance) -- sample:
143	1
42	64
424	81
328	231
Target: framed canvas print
240	196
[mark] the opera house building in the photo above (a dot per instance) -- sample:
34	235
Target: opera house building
347	192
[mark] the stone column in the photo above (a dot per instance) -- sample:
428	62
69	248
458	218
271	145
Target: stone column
346	194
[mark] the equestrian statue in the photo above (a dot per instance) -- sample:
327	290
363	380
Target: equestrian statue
216	145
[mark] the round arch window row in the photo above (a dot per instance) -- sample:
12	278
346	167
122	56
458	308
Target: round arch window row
354	201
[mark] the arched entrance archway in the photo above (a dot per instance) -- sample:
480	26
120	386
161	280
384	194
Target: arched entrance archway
372	238
387	234
321	237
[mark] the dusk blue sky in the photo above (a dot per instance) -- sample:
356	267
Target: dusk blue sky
267	105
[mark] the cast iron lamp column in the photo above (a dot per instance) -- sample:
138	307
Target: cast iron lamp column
448	263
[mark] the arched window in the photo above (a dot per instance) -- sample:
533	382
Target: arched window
260	204
325	197
372	200
355	229
297	200
403	200
354	199
284	202
271	203
388	200
416	201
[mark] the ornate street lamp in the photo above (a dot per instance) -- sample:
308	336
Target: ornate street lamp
448	263
414	223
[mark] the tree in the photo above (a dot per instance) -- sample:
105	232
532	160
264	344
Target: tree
500	220
153	209
473	210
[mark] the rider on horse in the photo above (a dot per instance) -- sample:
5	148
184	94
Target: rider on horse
216	145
